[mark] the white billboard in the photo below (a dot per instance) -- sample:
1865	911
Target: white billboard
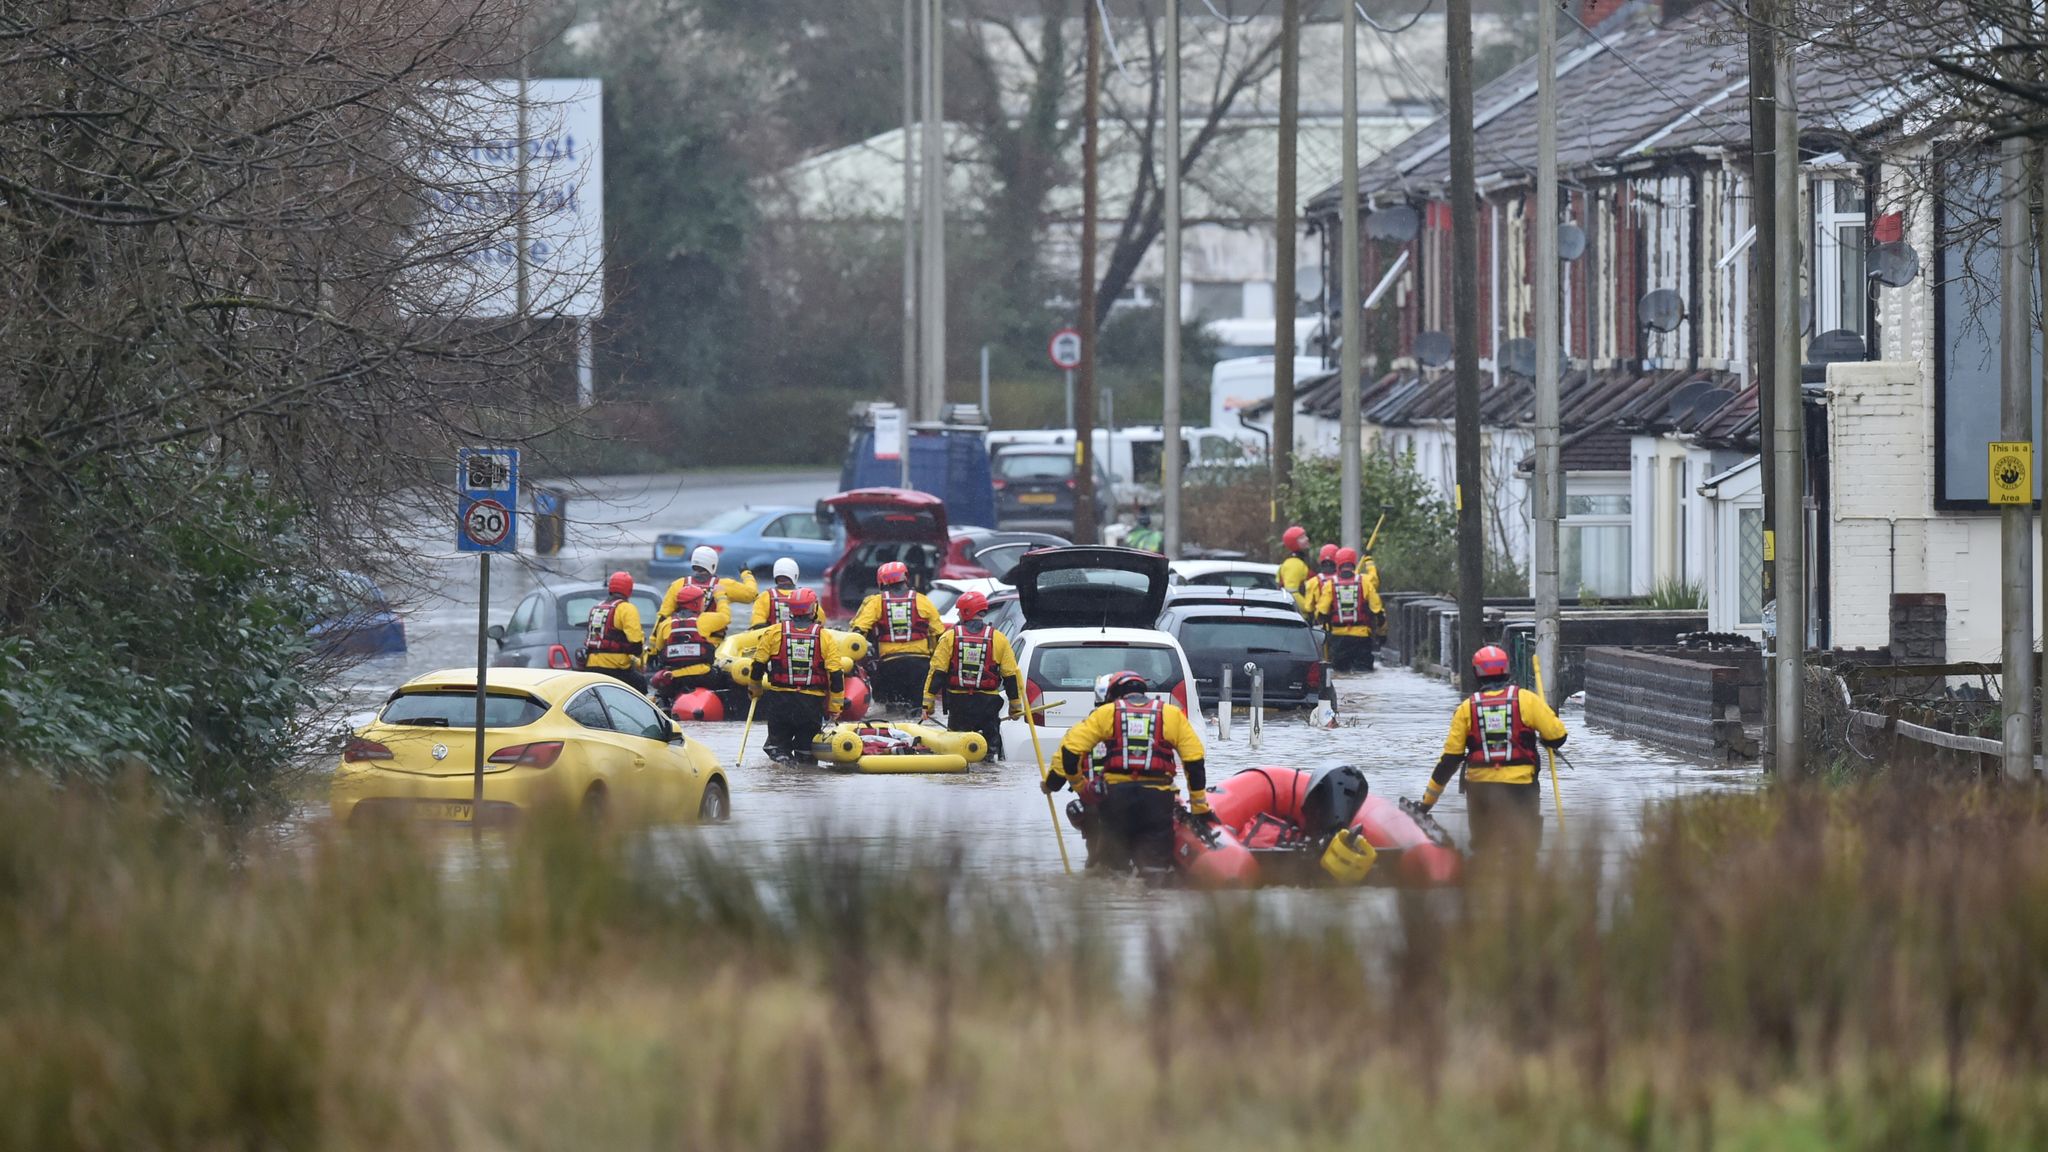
473	201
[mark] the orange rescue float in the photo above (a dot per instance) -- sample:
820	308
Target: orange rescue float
1259	805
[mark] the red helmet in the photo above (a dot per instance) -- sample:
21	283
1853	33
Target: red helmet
804	602
620	584
893	572
1295	539
1328	555
1117	685
1346	557
690	596
1490	661
972	605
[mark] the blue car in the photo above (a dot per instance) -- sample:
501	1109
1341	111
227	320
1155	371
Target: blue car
356	619
749	539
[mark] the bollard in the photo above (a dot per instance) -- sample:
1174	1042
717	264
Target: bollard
1258	706
1223	704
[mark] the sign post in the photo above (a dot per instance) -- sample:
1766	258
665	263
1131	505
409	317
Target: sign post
486	492
1065	350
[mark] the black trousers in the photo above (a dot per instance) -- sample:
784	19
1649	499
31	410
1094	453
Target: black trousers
1135	829
792	720
1354	653
899	681
1507	819
977	712
633	677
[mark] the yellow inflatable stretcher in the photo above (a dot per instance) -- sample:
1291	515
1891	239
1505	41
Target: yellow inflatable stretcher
912	748
734	648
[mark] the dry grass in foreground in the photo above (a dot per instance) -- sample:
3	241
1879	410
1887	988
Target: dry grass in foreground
1859	969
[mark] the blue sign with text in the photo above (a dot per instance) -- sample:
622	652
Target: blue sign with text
487	499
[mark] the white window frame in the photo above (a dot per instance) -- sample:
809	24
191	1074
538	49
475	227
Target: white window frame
1828	305
1601	484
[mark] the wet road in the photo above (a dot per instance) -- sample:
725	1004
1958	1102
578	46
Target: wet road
1391	723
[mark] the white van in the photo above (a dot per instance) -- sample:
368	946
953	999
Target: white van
1239	338
1235	385
1133	455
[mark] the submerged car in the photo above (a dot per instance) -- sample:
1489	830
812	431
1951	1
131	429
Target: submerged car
1226	573
553	621
355	618
1035	489
997	550
551	738
1086	611
749	540
1253	626
876	526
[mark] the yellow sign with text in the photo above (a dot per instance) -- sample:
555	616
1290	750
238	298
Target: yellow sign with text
2011	471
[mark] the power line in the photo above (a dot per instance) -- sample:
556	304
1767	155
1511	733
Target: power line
1378	27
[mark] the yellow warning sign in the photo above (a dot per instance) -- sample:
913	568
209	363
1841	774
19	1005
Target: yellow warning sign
2011	465
1770	546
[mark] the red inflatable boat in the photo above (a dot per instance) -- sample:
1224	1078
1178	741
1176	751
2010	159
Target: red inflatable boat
1260	805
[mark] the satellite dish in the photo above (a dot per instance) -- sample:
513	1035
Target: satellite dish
1706	404
1308	283
1519	356
1834	347
1398	223
1433	349
1662	310
1681	401
1895	264
1571	242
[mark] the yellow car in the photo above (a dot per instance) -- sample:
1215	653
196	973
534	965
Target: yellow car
552	737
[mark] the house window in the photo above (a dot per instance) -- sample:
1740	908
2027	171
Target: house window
1593	543
1841	290
1749	531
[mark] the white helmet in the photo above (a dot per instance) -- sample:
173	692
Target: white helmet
785	567
705	557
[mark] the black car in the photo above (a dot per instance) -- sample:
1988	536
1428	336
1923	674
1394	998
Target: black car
1035	489
1277	639
552	622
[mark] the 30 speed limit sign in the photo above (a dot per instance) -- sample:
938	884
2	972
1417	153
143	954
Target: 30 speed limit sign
487	523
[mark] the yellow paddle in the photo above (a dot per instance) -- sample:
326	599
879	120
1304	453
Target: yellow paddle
1031	721
1556	795
752	700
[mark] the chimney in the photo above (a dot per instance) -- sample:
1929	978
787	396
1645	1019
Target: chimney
1592	12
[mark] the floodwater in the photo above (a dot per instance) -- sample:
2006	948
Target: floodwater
1391	724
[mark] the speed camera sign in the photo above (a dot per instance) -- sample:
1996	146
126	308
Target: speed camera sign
487	491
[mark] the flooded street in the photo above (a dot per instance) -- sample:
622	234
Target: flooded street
1391	724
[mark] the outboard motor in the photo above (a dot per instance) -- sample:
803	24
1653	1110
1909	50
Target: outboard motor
1332	799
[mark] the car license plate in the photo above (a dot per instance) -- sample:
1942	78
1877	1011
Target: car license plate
671	551
447	810
1037	498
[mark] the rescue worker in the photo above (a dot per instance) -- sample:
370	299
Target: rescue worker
614	639
1493	737
1294	570
1142	736
1326	575
782	590
804	684
1351	607
974	667
704	574
684	645
1144	536
902	625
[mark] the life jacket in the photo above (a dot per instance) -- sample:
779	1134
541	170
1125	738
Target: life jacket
902	623
799	662
686	646
974	658
604	635
1137	742
1498	735
778	602
1347	601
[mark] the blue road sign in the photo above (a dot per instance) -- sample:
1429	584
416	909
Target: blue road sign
487	493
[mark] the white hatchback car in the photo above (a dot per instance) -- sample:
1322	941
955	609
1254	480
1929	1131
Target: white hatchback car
1087	611
1224	573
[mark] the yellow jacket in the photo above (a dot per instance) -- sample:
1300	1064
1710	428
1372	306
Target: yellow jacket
940	676
1535	713
710	629
1294	576
626	618
869	620
768	644
724	593
1326	604
1100	727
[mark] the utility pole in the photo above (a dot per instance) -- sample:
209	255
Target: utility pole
1465	336
1169	405
933	396
1763	308
1086	530
1350	354
1283	259
1788	447
2040	191
1549	474
2016	423
909	217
